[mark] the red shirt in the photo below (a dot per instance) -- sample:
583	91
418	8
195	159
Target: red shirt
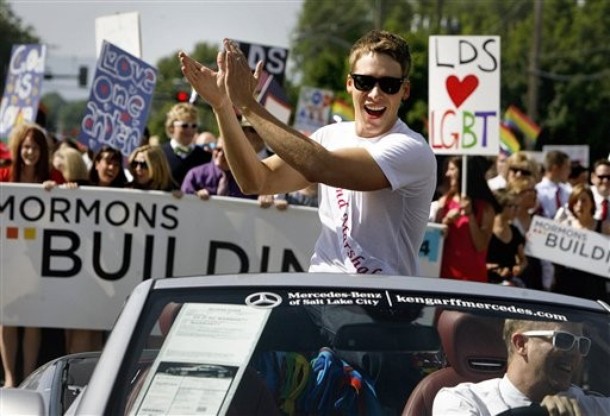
461	260
55	175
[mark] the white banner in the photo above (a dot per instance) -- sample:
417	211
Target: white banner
464	94
573	247
69	258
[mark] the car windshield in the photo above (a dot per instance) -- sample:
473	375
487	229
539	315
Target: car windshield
323	351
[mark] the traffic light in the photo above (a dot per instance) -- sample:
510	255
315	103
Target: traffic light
183	96
83	72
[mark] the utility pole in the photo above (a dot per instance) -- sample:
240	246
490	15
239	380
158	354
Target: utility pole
534	64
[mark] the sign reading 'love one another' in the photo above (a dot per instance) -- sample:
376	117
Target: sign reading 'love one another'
464	100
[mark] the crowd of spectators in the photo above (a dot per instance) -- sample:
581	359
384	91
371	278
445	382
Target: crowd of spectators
486	222
189	161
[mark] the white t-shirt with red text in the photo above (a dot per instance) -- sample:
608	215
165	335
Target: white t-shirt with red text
378	232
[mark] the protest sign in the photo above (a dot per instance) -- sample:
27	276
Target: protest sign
464	94
120	29
274	58
71	257
572	247
313	109
119	102
23	86
577	152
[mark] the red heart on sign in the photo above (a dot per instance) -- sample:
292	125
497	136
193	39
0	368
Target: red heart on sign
458	90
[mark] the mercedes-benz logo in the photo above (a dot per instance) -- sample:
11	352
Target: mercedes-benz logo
263	300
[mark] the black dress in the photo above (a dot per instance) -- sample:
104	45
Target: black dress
503	254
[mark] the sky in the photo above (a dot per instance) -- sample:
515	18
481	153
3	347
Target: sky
68	28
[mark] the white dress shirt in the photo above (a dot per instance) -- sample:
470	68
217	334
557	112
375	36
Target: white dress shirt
490	397
547	191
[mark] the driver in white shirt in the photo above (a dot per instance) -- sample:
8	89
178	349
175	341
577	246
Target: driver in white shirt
542	359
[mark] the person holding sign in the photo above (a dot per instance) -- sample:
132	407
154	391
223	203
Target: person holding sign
469	217
574	282
376	176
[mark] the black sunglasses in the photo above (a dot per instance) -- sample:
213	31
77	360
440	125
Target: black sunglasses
185	125
523	172
142	164
602	177
389	85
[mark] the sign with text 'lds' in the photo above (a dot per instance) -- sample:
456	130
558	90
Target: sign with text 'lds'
464	94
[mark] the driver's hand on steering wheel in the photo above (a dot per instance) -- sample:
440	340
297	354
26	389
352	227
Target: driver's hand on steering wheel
559	405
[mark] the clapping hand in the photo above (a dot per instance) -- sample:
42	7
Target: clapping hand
209	84
240	82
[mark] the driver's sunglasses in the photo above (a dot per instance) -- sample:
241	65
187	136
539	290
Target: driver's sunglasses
389	85
564	341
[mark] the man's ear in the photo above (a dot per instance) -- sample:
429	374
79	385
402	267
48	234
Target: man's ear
406	90
349	85
519	342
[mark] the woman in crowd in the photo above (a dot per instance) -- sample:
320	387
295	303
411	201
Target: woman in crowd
72	166
107	169
576	282
525	188
521	165
31	164
505	254
469	216
150	170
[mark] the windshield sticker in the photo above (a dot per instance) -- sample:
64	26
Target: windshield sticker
202	360
390	299
264	300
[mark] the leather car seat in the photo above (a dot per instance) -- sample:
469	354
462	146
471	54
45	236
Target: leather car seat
474	350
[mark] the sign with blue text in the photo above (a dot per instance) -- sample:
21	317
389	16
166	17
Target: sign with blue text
119	101
22	87
464	95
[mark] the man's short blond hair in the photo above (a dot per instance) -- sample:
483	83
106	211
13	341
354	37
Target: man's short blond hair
380	41
180	111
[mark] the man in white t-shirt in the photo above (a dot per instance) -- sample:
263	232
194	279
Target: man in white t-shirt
542	360
376	176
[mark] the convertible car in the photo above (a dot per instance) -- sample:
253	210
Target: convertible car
301	344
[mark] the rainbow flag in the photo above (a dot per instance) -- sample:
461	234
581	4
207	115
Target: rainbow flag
508	141
516	119
341	109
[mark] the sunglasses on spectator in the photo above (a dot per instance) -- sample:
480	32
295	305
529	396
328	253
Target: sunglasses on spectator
389	85
523	172
142	164
602	177
185	125
563	341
